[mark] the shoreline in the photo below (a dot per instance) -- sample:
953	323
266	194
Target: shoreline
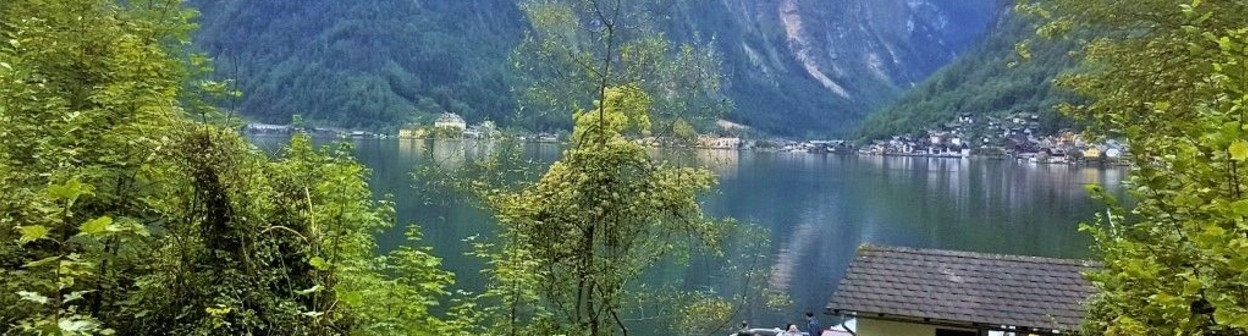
1007	157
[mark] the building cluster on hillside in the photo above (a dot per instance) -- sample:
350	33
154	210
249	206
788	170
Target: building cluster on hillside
1014	136
727	136
260	129
542	137
450	125
719	142
703	141
817	146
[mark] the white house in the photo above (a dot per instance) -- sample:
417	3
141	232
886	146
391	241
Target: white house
450	120
1113	152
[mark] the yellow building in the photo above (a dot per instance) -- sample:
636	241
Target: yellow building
1092	153
413	133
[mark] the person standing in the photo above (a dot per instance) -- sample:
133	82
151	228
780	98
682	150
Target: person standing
812	325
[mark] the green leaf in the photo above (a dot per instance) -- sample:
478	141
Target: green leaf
71	190
6	66
318	263
1161	106
33	297
42	262
1240	207
31	233
74	296
127	224
1239	150
1231	317
1212	236
314	289
75	326
96	226
217	311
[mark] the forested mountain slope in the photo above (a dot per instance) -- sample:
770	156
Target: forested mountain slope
991	79
794	67
368	64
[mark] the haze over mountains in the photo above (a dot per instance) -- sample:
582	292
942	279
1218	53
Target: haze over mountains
794	67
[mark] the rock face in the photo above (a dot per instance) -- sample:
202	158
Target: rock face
794	67
825	63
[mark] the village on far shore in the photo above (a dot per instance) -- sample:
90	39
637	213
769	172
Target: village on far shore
1012	137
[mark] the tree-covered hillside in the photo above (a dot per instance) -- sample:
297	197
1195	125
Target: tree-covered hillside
792	67
367	64
992	79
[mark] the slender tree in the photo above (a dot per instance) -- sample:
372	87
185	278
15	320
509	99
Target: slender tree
599	218
577	49
573	246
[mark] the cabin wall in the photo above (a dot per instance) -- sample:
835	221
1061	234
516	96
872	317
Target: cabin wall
871	327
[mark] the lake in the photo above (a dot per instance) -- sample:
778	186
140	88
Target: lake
818	208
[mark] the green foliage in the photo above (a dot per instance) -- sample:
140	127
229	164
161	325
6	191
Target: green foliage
1170	77
747	269
628	114
121	215
576	240
706	312
84	89
994	79
572	247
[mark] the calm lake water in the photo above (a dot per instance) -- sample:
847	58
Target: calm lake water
818	208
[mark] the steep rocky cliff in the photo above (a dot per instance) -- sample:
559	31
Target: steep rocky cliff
794	67
817	65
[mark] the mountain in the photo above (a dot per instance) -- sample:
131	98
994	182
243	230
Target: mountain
794	67
799	67
989	80
366	64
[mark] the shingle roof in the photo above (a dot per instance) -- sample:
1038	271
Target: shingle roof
985	289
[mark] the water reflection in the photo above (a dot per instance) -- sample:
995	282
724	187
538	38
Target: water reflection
411	147
724	163
818	208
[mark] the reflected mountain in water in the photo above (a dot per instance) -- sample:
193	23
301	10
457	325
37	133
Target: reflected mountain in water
818	208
